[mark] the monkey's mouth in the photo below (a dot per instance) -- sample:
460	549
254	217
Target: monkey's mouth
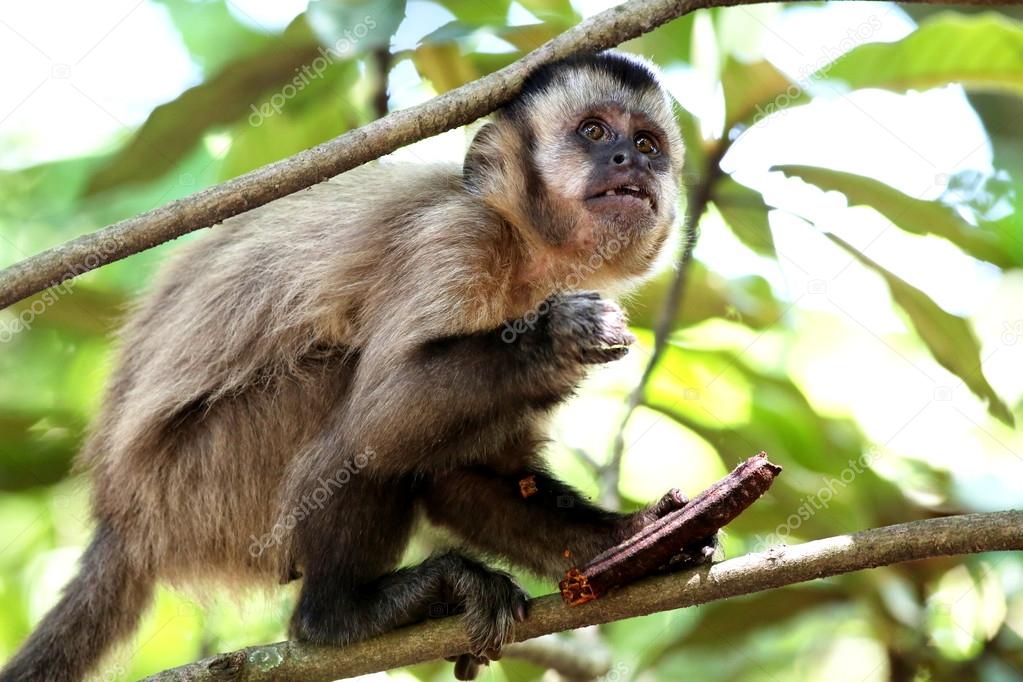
624	195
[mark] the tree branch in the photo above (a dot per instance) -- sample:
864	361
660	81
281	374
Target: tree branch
381	63
783	565
261	186
571	659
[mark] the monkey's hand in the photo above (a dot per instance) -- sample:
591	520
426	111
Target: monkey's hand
695	554
587	328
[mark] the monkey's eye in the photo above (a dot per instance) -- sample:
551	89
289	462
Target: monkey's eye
593	130
646	144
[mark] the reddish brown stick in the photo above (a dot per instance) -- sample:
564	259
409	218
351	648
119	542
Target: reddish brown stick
653	547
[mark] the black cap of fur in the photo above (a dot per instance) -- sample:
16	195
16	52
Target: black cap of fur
628	71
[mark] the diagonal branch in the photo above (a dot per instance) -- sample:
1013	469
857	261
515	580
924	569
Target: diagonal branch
777	567
273	181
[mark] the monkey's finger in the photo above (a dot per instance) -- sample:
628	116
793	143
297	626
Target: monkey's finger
493	654
521	608
466	667
673	500
694	554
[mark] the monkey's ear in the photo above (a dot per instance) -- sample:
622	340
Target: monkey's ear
482	161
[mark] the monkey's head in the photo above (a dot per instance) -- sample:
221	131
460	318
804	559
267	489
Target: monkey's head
586	160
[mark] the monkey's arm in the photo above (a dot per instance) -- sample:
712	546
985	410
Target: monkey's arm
531	518
454	400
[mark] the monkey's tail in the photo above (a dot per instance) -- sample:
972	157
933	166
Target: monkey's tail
101	605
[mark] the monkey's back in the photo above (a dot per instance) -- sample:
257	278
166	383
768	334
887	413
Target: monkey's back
239	353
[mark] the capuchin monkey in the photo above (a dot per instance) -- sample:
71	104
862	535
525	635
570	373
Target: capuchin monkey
306	382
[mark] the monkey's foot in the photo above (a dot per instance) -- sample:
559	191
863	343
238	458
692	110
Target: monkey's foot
694	554
587	327
491	606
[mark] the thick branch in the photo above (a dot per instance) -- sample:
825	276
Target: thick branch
571	659
450	110
969	533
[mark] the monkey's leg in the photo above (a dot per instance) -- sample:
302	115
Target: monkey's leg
543	524
490	603
347	549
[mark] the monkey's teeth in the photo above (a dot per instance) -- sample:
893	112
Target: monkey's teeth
625	190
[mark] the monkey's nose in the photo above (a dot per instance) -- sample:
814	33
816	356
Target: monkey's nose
619	158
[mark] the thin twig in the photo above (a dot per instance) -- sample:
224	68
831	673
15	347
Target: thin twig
784	565
381	60
571	659
696	206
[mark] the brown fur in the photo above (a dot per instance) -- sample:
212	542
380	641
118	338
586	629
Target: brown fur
358	316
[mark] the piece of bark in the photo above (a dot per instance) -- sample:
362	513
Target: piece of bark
654	546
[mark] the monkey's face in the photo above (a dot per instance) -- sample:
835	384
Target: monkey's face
585	162
625	163
605	154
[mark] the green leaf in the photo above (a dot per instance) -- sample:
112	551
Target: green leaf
277	138
696	151
949	338
1001	114
760	408
745	213
748	300
560	11
74	307
325	109
525	37
743	34
491	12
754	91
668	43
443	65
530	36
355	26
915	216
450	32
983	52
241	89
212	35
36	447
773	608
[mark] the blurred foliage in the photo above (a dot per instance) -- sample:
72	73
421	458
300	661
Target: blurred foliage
734	379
